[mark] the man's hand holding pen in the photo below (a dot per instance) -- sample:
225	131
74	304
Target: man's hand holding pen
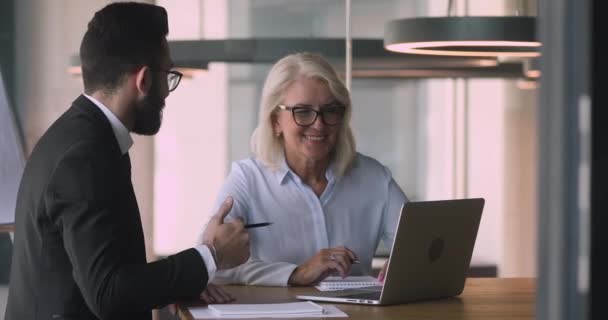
227	241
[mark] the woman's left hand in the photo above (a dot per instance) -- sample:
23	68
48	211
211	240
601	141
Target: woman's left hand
215	294
321	265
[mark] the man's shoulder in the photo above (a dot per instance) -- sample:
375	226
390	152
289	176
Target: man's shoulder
77	125
81	122
73	135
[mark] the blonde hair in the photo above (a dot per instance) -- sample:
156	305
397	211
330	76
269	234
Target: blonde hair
265	145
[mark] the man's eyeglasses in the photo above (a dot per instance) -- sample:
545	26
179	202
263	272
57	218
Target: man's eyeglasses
173	78
305	116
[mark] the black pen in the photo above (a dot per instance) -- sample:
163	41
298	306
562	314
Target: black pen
257	225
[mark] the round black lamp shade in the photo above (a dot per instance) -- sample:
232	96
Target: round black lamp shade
464	36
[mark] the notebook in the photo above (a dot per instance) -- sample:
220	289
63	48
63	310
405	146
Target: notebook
253	311
301	308
351	282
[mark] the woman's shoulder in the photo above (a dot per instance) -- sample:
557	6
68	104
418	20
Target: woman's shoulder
368	167
365	162
249	167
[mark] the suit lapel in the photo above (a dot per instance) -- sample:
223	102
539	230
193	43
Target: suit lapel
126	162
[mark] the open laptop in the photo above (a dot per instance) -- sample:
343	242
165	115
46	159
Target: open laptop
430	256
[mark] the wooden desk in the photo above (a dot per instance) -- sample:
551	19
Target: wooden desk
7	227
483	298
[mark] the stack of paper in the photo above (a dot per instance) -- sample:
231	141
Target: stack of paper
299	308
271	310
352	282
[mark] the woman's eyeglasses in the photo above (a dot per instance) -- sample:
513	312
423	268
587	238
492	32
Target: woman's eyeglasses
305	116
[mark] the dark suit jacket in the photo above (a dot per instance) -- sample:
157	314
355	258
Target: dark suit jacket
79	248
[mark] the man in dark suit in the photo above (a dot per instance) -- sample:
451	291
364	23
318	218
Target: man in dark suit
79	247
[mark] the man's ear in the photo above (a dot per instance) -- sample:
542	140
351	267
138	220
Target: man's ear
143	80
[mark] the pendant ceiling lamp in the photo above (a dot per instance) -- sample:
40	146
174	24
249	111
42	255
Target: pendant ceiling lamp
472	36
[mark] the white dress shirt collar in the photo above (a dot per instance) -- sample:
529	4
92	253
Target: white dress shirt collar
120	131
284	171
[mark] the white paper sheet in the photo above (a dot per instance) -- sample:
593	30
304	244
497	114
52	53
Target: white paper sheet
329	311
267	308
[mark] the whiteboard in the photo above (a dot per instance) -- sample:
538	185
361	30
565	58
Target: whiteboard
12	159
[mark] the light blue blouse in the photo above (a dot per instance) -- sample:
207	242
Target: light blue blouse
356	211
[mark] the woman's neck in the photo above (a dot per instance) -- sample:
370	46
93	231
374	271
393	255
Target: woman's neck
312	172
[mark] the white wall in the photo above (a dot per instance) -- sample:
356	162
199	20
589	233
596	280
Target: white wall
486	164
191	148
521	184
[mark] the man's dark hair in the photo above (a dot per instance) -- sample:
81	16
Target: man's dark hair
120	38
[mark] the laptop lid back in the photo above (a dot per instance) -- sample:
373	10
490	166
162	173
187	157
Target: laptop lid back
432	250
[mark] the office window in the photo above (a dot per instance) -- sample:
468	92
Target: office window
11	158
11	168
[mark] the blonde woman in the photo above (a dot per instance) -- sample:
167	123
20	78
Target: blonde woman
329	205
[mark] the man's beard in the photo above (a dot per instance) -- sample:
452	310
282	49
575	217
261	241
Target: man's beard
149	114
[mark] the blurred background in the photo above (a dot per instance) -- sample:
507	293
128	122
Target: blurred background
473	133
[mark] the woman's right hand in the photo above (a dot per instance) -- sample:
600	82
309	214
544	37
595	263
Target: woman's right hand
325	263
